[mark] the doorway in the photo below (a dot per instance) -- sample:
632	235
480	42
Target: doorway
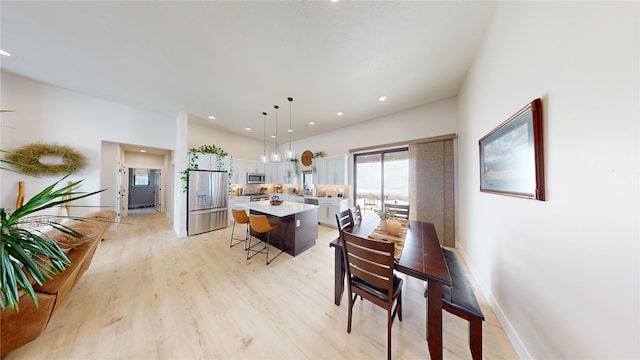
145	191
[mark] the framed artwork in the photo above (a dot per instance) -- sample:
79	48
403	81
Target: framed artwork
511	155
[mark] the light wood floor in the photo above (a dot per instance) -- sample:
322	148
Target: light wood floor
151	295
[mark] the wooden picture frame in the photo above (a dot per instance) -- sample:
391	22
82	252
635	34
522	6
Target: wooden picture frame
511	155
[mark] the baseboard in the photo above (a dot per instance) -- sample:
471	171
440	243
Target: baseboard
511	333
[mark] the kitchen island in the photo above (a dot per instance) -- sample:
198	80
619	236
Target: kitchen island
299	224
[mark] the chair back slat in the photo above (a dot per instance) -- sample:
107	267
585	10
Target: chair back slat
356	215
370	260
344	220
400	211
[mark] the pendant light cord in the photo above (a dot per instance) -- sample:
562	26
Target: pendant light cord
264	133
276	107
290	129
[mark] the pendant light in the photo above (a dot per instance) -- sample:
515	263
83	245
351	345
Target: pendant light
275	155
263	157
289	154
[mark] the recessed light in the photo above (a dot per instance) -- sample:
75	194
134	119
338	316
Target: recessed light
273	136
211	117
142	150
311	123
290	130
248	128
339	113
382	98
334	1
2	52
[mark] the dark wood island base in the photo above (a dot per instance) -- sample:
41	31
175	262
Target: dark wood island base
298	232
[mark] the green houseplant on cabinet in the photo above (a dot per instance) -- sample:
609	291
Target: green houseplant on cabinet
220	163
31	255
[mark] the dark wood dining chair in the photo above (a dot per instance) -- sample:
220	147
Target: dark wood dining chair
370	275
356	215
344	220
399	210
260	224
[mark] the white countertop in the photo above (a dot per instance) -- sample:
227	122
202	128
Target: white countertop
285	209
285	196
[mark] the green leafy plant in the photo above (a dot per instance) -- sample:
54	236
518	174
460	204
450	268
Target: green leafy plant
316	155
32	254
384	214
193	163
296	168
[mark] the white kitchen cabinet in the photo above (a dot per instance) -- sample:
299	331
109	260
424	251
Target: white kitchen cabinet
283	173
277	173
320	177
328	210
242	166
239	171
203	162
210	162
332	170
255	166
225	163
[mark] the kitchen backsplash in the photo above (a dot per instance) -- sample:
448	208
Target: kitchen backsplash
331	190
318	190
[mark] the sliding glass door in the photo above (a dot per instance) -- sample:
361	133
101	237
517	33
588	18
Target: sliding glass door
381	177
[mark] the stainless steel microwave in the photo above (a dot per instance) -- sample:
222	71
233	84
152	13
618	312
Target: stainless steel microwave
255	178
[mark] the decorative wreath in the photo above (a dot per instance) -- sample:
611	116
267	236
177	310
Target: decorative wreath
31	154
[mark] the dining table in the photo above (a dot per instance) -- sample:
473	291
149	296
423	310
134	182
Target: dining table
421	257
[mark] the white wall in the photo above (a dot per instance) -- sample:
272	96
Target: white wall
143	160
563	274
238	146
424	121
53	115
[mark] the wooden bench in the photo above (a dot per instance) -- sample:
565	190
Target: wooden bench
460	300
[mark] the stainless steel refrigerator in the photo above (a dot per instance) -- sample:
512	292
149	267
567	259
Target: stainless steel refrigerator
207	201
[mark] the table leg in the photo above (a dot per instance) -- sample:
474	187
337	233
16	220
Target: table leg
434	319
339	276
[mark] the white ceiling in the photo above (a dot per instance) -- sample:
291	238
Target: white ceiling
235	60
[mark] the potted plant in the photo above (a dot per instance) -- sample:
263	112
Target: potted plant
384	214
31	255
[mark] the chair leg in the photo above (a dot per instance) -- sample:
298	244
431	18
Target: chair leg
352	300
475	338
389	323
246	237
238	240
399	306
268	243
233	229
250	248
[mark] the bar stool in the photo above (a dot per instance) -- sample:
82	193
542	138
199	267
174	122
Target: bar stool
240	217
260	224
